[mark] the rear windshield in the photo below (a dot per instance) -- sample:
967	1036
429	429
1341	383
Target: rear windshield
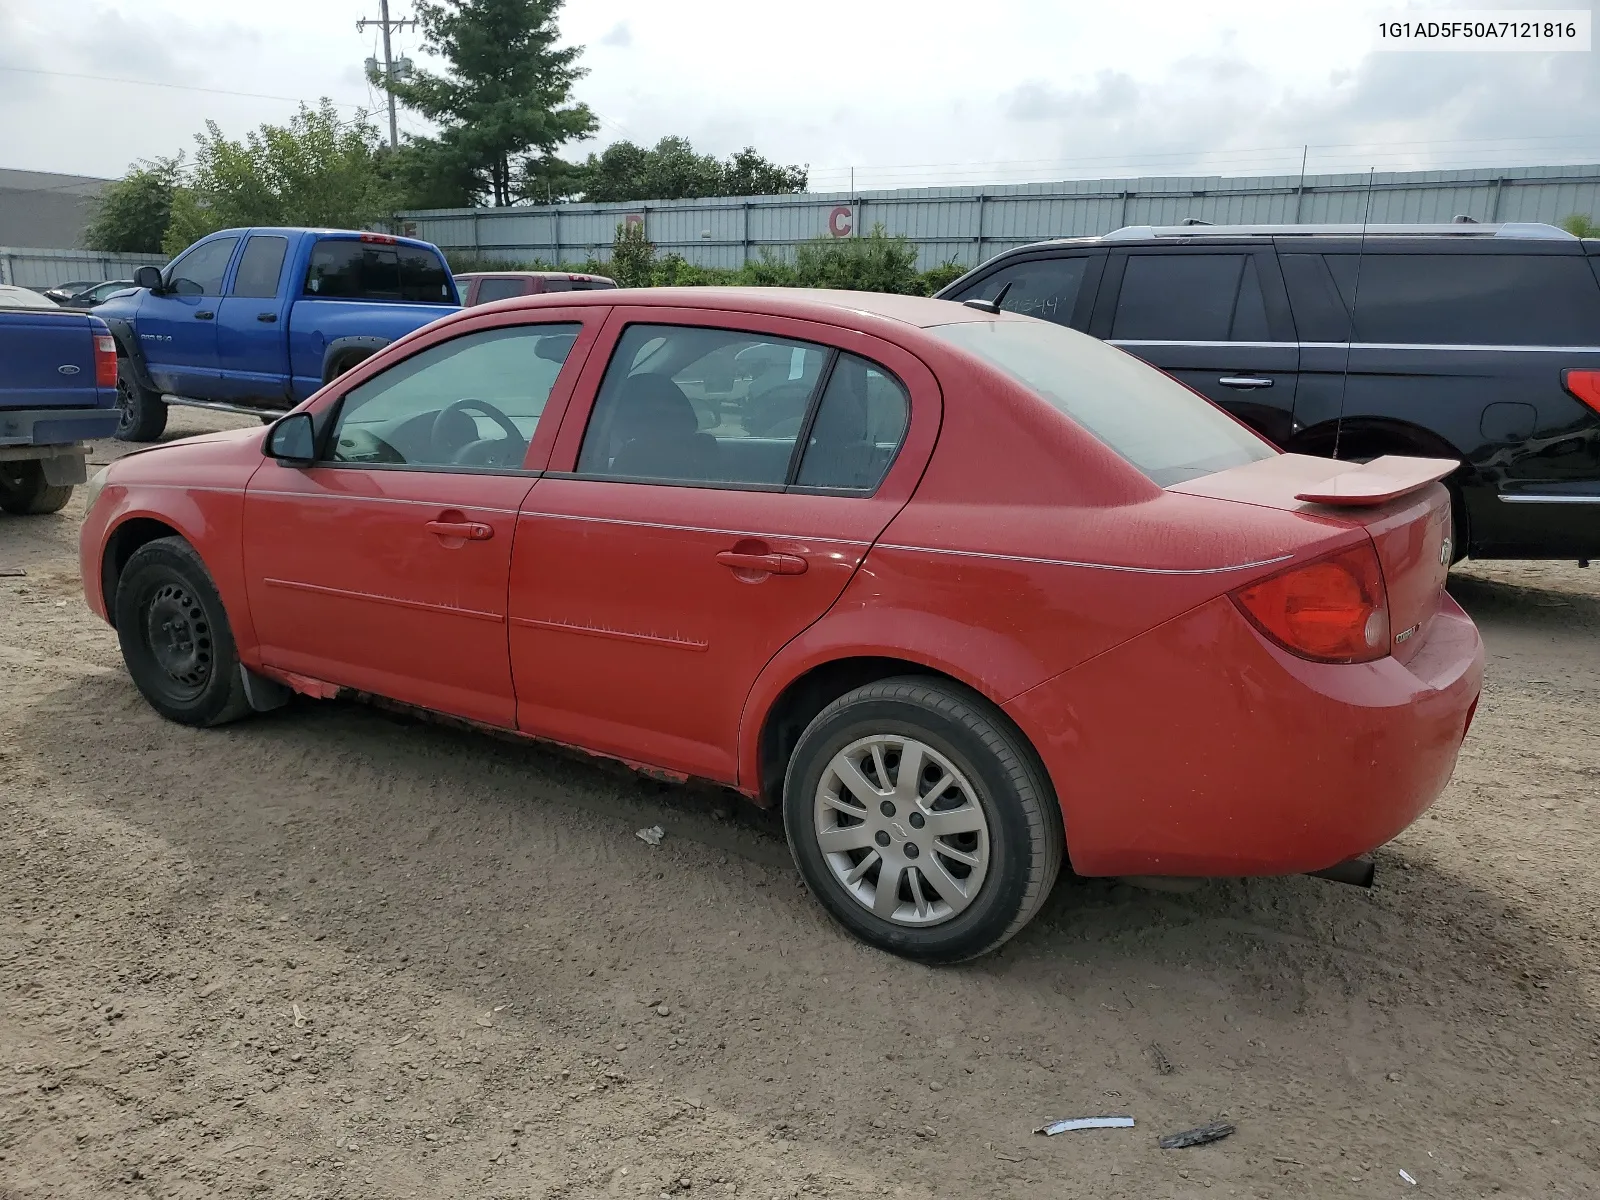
1157	424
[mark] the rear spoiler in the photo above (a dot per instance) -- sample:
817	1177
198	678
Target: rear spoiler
1377	482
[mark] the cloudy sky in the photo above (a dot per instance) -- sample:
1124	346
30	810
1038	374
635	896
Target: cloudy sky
908	92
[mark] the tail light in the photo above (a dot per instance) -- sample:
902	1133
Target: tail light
1335	609
105	360
1585	385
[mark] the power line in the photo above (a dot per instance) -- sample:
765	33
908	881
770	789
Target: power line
181	87
384	22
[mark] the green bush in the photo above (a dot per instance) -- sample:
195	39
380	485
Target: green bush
1581	225
946	273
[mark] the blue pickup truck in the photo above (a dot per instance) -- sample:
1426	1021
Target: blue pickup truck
255	320
58	388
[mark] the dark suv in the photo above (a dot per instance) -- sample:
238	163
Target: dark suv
1474	342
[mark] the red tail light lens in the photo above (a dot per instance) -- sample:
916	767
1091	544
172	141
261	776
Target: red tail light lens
1335	609
105	360
1585	385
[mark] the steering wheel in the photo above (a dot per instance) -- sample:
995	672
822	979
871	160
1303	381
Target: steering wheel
479	448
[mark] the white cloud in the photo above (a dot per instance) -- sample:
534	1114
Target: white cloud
939	91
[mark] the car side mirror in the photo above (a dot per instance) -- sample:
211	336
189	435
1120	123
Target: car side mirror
148	277
293	441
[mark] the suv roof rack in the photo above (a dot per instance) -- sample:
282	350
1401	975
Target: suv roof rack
1507	229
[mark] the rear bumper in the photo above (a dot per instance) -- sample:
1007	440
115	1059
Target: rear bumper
1201	749
54	426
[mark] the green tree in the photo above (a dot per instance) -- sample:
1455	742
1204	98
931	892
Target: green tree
1580	225
633	257
672	170
131	215
316	170
875	263
507	90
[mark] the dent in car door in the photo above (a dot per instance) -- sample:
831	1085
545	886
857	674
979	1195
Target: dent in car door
642	612
1216	318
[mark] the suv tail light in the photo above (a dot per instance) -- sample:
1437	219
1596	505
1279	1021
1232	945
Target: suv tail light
1585	385
105	360
1334	609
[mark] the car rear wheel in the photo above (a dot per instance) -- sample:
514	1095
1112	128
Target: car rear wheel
24	492
141	413
922	820
175	636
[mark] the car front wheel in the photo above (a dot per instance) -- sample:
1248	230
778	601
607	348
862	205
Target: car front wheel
175	636
922	820
141	413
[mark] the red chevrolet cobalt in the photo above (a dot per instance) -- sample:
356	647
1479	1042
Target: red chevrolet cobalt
964	591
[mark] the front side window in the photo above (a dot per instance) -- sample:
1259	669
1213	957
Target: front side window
1046	288
1161	427
1190	298
474	401
199	272
684	404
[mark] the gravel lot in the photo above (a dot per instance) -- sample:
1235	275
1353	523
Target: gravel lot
336	952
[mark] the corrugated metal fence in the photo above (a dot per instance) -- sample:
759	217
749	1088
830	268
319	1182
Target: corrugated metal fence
970	224
40	269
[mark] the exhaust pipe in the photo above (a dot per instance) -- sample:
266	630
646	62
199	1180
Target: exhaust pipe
1355	871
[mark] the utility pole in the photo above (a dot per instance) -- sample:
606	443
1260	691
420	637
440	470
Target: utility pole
388	59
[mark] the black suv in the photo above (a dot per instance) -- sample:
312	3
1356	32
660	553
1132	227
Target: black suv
1474	342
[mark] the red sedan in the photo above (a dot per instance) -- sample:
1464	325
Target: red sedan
963	591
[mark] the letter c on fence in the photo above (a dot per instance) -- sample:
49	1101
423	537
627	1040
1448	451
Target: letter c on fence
841	220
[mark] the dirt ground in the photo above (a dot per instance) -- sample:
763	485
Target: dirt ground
335	952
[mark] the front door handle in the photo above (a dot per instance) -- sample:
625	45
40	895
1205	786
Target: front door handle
1245	383
267	318
471	531
771	564
205	314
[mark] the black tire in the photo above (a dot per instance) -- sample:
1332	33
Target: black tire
175	636
141	414
1025	838
24	492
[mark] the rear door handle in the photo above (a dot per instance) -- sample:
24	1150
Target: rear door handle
1245	382
472	531
772	564
205	314
268	318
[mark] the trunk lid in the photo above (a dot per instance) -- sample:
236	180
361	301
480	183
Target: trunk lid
49	359
1397	501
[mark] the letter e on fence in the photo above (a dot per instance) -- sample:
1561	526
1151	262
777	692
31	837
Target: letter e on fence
842	220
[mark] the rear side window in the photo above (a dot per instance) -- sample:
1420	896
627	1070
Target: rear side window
1157	424
1466	299
346	269
1191	298
1046	288
858	427
260	266
590	285
490	290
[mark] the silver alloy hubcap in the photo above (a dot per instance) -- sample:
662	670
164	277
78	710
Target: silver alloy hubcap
902	830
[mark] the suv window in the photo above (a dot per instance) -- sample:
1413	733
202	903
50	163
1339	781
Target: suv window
199	272
260	266
1191	298
1046	287
490	290
346	269
1466	299
1157	424
689	404
494	383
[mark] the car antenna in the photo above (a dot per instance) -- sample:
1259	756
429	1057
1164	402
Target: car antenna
1355	298
991	306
